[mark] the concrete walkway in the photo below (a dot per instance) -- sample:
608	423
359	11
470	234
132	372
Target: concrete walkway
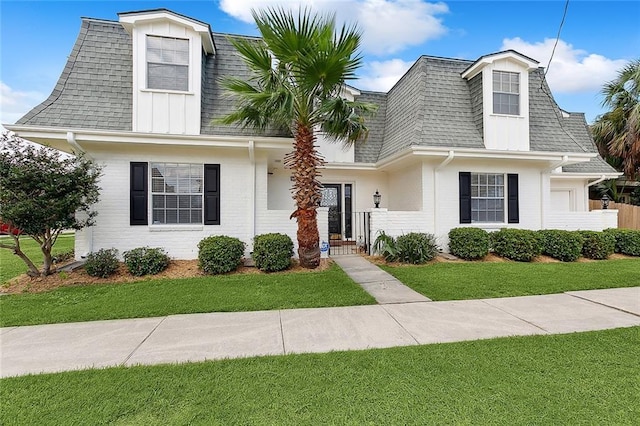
384	287
198	337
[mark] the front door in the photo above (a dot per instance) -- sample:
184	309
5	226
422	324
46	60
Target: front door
332	198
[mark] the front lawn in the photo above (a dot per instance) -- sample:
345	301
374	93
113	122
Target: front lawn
478	280
227	293
12	266
559	379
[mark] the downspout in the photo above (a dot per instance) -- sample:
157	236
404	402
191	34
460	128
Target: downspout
565	160
252	211
71	140
435	187
600	179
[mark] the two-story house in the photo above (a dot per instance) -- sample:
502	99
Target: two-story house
454	143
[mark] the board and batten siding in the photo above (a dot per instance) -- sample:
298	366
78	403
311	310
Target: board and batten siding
165	111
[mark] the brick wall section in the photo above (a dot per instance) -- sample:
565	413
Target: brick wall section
597	220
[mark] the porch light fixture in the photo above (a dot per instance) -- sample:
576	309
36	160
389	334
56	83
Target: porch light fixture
376	199
605	201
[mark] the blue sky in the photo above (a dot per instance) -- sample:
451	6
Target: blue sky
597	39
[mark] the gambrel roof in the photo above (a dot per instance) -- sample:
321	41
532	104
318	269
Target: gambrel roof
431	105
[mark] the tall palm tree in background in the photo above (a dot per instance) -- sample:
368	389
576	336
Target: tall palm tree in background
299	68
617	132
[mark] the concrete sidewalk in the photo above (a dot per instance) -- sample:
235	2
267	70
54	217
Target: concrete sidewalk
198	337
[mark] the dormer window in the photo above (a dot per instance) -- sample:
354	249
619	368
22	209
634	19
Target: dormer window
167	63
506	93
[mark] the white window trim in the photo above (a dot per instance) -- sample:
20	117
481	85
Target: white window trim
493	92
173	226
504	199
189	65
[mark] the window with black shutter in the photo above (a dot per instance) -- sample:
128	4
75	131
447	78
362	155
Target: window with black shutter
212	194
139	188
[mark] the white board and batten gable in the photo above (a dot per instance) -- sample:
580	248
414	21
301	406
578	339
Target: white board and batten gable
505	99
168	50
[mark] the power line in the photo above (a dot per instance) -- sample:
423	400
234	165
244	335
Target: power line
564	15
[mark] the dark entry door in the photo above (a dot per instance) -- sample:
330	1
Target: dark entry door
332	198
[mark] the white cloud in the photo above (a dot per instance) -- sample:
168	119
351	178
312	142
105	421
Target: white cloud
14	104
381	76
571	70
388	26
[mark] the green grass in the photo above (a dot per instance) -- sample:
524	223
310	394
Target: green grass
151	298
477	280
12	266
559	379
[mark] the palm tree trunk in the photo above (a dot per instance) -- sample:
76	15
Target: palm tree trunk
304	162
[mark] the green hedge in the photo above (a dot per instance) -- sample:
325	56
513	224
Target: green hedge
146	261
220	254
516	244
102	263
469	243
562	245
598	245
272	252
627	240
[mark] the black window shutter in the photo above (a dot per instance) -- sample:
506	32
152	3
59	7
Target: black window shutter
138	194
465	197
513	210
212	194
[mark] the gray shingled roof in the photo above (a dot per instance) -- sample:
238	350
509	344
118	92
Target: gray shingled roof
577	125
216	103
95	88
431	105
367	151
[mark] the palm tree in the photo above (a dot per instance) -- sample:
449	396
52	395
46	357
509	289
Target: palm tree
299	68
617	132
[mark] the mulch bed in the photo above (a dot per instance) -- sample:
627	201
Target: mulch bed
177	269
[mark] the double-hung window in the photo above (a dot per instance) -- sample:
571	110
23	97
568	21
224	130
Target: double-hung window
167	63
181	193
487	197
506	93
176	193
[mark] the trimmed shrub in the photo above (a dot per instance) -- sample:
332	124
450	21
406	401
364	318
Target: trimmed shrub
220	254
146	261
562	245
385	246
627	240
272	252
416	247
598	245
469	243
102	263
64	256
516	244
